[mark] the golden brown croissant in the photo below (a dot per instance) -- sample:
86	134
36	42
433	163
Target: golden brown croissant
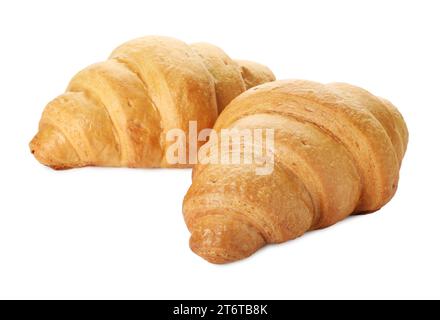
117	112
338	151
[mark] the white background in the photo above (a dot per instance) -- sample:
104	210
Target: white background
119	233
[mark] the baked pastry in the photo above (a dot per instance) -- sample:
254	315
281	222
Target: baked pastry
117	112
337	151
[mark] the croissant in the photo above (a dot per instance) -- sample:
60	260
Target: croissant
337	151
117	112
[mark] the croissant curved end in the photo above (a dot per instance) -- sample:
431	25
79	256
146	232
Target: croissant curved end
51	148
219	239
254	73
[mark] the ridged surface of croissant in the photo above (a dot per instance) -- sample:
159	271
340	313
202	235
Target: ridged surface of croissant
117	112
338	151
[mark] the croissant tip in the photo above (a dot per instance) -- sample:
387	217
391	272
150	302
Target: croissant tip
33	146
220	240
52	152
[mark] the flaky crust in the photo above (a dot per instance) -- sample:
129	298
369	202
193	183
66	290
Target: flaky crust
117	112
338	151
